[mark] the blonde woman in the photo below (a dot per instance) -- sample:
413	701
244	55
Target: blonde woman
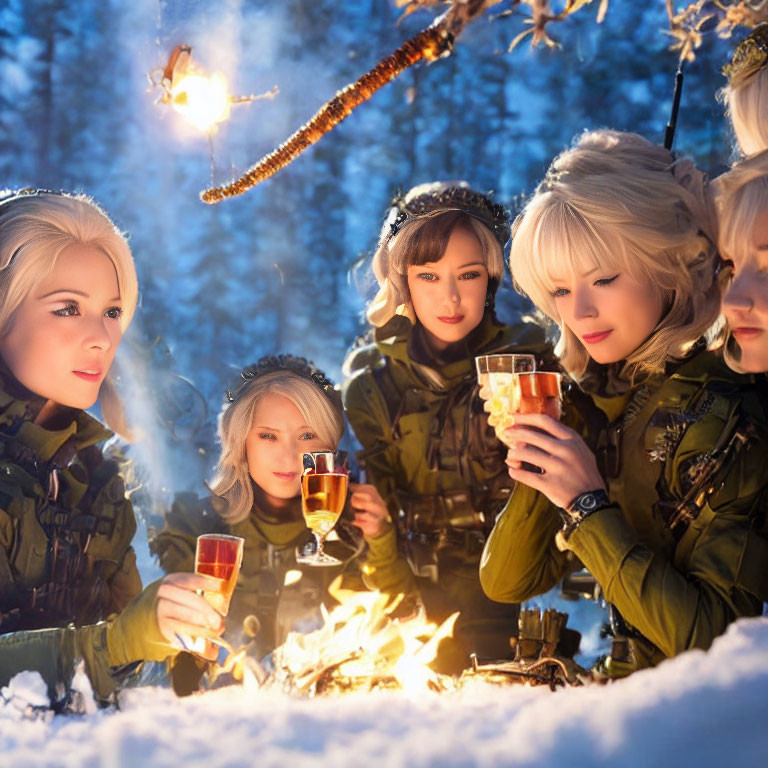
746	94
67	292
283	408
664	496
742	202
411	398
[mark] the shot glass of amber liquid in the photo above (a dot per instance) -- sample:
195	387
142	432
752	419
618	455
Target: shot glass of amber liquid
219	556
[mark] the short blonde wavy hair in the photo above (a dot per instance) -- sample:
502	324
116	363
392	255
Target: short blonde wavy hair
34	230
747	109
617	201
741	197
410	247
233	480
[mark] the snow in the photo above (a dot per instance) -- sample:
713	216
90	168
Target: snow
702	709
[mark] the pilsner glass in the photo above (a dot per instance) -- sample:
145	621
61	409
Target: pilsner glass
219	556
323	495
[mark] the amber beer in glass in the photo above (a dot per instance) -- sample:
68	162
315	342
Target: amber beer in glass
517	393
323	495
220	556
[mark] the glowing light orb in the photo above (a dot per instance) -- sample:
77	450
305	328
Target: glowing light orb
202	101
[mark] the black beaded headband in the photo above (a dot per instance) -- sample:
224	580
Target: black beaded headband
455	197
300	366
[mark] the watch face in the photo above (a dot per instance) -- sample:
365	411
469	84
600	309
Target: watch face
588	501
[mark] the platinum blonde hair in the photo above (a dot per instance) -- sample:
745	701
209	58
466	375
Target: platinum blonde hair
741	196
747	109
395	254
233	480
34	231
617	202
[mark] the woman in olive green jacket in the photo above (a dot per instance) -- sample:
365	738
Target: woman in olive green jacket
67	292
283	408
411	398
664	498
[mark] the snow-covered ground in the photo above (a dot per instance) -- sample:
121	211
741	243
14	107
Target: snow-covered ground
700	709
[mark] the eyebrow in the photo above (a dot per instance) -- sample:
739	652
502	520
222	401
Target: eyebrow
71	290
431	264
275	429
762	247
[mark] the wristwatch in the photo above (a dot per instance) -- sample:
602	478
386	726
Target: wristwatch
581	508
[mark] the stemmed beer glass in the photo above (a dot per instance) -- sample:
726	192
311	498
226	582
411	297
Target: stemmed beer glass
323	494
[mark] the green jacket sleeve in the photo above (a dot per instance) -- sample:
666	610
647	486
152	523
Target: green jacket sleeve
678	603
368	416
520	558
108	648
385	569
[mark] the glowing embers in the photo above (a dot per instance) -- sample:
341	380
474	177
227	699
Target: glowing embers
204	101
361	646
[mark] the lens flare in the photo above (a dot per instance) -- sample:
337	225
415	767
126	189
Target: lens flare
203	101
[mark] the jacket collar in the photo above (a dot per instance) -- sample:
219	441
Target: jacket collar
19	408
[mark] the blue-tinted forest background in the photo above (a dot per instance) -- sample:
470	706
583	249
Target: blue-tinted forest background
273	271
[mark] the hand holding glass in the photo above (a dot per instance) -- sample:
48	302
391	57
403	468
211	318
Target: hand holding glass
219	556
511	385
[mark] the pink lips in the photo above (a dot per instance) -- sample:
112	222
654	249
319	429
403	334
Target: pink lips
595	338
452	320
88	376
285	475
745	333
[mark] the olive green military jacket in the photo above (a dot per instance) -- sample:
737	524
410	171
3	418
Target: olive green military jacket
65	523
426	441
427	447
675	589
272	586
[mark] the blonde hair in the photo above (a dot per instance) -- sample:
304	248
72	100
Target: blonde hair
34	230
747	109
233	480
617	201
741	196
395	254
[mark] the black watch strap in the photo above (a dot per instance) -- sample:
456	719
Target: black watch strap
580	508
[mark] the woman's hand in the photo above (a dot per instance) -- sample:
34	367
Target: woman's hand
570	468
182	609
371	513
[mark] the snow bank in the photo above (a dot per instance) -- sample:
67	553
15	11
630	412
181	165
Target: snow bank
702	709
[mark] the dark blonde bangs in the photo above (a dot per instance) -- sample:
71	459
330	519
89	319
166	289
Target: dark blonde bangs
740	217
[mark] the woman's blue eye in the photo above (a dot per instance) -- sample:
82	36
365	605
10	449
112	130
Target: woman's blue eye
308	436
605	280
558	292
70	310
114	313
267	436
428	276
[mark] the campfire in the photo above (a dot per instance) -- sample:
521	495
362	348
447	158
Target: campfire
364	645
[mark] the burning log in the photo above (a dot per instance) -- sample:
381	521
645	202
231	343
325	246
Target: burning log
362	647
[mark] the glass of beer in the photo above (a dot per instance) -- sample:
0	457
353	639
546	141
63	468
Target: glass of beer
529	392
495	374
323	495
220	556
